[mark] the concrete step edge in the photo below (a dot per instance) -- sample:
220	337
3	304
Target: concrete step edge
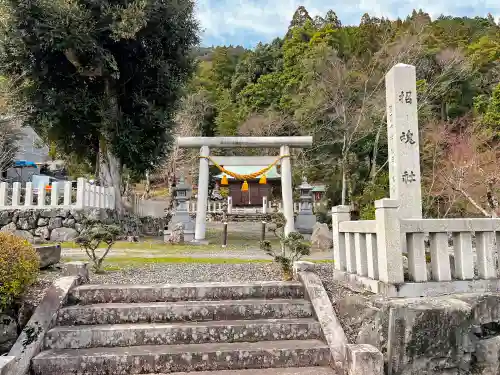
187	324
315	370
182	358
182	348
87	294
296	301
124	335
116	313
189	285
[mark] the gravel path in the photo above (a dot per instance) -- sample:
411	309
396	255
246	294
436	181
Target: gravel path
193	272
233	254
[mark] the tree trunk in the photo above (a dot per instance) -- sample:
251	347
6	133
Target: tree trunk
444	111
492	199
147	187
110	167
110	174
343	166
472	201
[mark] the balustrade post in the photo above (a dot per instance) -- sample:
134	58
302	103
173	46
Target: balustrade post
485	261
80	192
3	193
464	259
16	194
361	254
339	214
42	193
67	193
390	257
54	194
28	194
440	259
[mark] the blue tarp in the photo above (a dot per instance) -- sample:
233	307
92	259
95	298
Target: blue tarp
24	164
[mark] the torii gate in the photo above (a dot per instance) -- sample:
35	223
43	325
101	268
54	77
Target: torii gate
283	143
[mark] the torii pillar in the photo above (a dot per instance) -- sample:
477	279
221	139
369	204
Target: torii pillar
205	143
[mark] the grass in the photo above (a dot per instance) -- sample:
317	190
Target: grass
235	242
160	248
128	254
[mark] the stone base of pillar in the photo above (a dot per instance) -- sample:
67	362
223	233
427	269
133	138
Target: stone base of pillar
198	242
304	223
184	218
188	235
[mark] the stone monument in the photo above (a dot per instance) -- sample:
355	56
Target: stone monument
181	212
404	157
305	219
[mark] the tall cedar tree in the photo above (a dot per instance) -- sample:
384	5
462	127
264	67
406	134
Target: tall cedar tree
105	75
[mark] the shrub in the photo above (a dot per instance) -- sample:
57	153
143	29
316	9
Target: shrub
324	216
95	232
19	264
292	246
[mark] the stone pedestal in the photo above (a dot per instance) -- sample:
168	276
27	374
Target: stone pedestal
79	269
181	214
305	219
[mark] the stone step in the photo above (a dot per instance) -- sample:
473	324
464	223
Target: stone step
78	337
157	312
182	358
88	294
318	370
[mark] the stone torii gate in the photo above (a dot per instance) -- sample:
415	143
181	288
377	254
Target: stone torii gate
283	143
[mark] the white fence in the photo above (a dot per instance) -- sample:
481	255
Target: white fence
148	207
371	251
58	195
266	207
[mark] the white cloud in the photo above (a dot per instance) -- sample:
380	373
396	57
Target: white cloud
247	21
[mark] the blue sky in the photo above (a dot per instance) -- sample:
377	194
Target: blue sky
246	22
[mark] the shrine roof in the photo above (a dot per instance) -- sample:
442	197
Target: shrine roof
319	188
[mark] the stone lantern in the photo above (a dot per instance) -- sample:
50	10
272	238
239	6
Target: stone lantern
182	194
305	219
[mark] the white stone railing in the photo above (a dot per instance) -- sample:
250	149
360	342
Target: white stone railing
484	257
371	253
354	244
148	207
59	195
212	207
267	207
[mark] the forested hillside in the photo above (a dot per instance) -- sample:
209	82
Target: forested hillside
327	80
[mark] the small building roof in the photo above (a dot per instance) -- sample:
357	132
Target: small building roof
248	169
319	189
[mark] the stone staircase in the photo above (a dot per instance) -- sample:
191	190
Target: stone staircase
155	329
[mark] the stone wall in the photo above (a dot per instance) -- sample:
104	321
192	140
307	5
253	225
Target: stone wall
48	225
58	225
452	335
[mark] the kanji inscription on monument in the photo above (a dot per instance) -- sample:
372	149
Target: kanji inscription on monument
402	134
